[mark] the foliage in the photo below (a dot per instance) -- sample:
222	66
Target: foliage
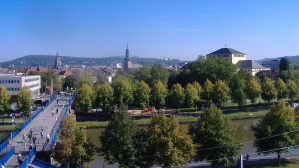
143	73
285	64
191	95
237	86
207	90
271	74
292	89
158	95
46	79
84	100
212	68
73	147
123	93
169	143
253	90
220	93
215	133
289	75
105	97
268	90
158	73
24	100
279	120
69	81
4	101
120	141
101	79
176	96
173	77
281	89
142	95
198	88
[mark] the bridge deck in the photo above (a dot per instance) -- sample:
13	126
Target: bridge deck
44	120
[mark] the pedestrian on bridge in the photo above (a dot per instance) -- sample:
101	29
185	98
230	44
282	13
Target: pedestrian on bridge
30	136
57	101
34	139
24	138
48	137
42	134
52	113
19	129
31	132
30	147
56	111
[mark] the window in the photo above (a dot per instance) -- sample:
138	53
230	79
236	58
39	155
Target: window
5	81
18	81
30	80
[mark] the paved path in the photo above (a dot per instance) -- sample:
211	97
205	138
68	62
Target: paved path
44	120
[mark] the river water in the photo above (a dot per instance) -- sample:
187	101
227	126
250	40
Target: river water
243	134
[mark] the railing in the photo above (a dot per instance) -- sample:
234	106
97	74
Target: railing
40	163
16	132
24	164
7	156
32	153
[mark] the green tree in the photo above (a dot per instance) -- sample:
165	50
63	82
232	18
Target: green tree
69	81
207	90
198	88
268	90
215	133
276	124
176	96
158	95
46	79
143	73
142	95
220	93
105	97
73	147
123	93
24	100
289	75
285	64
84	100
168	142
191	95
292	89
158	73
237	86
281	88
101	79
120	141
253	90
4	101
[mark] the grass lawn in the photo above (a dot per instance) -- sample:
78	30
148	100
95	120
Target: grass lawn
8	126
292	163
246	114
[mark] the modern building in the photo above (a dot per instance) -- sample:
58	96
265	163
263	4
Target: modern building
271	64
15	83
250	66
232	55
127	62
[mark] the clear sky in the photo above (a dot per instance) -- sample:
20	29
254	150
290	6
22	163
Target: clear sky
153	28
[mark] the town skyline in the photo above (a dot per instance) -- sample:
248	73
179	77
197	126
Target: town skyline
168	29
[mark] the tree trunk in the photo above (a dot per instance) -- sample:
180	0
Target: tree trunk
278	159
213	164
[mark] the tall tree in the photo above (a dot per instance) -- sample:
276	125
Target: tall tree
4	101
207	90
176	96
191	95
214	136
253	90
268	90
46	79
142	95
69	81
84	100
24	100
281	88
73	147
285	64
292	89
198	88
143	73
105	97
168	142
220	93
101	79
277	124
120	141
158	95
123	93
158	73
237	86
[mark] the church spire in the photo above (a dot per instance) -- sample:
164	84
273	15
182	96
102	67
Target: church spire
127	52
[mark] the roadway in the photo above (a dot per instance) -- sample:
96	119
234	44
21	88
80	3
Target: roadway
44	121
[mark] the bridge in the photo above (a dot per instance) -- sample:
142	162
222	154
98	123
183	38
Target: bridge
44	120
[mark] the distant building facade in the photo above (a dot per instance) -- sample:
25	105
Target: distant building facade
250	66
232	55
15	83
273	64
127	62
57	62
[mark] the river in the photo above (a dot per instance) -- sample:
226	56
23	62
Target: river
243	134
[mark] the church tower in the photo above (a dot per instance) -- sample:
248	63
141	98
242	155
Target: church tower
57	62
127	63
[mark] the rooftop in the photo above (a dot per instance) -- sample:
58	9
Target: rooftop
248	64
223	51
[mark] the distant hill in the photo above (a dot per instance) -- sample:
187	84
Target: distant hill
295	59
49	60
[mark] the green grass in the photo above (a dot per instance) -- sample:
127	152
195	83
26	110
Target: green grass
292	163
246	114
8	126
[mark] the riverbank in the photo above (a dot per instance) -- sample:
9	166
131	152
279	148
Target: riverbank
288	163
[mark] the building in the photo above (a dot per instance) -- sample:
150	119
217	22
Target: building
127	62
57	62
271	64
232	55
250	66
15	83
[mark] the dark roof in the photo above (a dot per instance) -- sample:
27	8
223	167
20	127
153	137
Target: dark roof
223	51
248	64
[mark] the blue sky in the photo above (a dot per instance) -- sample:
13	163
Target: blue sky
153	28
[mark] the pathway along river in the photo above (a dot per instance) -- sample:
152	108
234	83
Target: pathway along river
243	134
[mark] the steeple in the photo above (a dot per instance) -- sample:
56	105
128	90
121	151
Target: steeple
127	63
127	52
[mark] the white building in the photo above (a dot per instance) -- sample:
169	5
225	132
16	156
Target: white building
15	83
